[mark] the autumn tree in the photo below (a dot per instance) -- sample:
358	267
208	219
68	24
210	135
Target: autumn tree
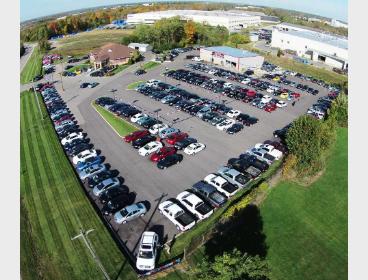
190	32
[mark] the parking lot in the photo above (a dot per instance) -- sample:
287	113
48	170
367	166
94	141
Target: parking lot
142	176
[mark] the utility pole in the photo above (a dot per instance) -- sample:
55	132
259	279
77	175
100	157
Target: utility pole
84	234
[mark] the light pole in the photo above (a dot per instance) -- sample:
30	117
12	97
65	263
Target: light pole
84	234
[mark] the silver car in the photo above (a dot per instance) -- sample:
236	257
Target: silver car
104	185
167	132
91	170
130	212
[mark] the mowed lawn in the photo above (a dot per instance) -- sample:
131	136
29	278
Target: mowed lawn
83	43
33	67
54	208
121	126
306	227
150	65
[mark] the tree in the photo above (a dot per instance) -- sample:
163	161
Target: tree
190	32
279	53
236	39
307	139
339	110
135	57
22	49
44	45
232	266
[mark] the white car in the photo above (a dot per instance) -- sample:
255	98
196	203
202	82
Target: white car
152	82
150	148
277	154
82	156
227	85
195	205
71	137
221	184
266	98
246	81
281	104
213	71
182	220
261	154
197	58
147	251
156	128
233	113
194	148
136	117
225	124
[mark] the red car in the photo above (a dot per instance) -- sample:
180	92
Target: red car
270	107
163	153
251	93
296	94
135	135
63	118
176	137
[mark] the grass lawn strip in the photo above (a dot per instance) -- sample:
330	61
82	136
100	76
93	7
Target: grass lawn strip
57	207
120	126
33	66
119	69
306	227
135	85
150	65
79	67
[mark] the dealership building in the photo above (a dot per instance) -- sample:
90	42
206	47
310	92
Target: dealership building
233	59
233	21
317	46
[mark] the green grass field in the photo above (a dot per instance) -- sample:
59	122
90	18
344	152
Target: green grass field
150	65
306	227
83	43
54	208
121	126
135	84
33	67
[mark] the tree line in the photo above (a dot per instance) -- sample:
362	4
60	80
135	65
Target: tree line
173	32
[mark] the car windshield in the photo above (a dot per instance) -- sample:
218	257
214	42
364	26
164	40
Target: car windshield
146	254
124	212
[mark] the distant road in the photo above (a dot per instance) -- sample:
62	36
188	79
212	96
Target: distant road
23	60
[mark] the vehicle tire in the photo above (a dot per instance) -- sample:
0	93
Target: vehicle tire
160	212
141	215
124	222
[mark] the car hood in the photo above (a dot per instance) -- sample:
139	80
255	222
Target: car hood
146	262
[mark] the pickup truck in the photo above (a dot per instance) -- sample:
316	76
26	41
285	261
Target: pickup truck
195	205
234	176
252	171
182	220
221	184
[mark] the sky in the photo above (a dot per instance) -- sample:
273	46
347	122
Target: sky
30	9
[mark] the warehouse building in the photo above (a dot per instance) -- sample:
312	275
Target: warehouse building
231	20
317	46
234	59
142	48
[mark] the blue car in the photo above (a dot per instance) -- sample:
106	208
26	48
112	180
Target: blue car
88	162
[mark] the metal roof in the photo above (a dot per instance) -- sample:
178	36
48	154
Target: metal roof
232	51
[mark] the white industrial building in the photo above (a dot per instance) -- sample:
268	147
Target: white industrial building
231	20
318	46
234	59
140	47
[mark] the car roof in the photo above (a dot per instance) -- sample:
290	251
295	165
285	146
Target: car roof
148	237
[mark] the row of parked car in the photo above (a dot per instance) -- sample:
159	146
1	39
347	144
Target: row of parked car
258	84
158	140
223	117
115	198
200	201
259	100
319	109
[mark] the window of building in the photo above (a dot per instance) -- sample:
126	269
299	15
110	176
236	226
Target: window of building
288	42
306	47
282	41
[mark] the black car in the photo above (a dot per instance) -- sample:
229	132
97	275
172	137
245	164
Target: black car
75	142
254	161
37	78
84	85
250	121
169	160
116	204
184	143
209	116
238	164
67	130
150	122
139	143
78	148
68	67
112	193
140	72
236	127
281	133
98	178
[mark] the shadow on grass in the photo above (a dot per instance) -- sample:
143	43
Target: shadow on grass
243	231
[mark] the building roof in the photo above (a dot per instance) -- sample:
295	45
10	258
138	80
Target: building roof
112	51
232	51
139	45
320	37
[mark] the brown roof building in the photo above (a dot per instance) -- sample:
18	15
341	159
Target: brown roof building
111	54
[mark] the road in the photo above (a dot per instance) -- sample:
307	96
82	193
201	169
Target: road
28	52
